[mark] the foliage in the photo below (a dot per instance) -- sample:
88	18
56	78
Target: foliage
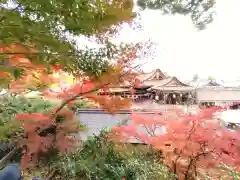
80	103
195	78
100	158
211	78
201	12
231	172
58	127
10	129
60	133
119	73
37	40
48	28
191	142
10	106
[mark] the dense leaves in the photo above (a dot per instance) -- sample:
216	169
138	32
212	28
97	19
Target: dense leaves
57	128
60	133
100	158
80	103
190	142
10	129
50	27
10	106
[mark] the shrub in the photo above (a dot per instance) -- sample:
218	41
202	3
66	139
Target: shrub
99	158
231	172
80	103
193	145
12	105
9	127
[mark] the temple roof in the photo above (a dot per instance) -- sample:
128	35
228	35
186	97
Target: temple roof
159	81
206	83
170	84
156	74
169	81
176	88
222	94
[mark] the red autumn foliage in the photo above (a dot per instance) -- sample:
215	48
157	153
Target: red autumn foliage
56	128
87	90
110	104
190	143
39	138
84	87
32	75
56	67
87	87
5	75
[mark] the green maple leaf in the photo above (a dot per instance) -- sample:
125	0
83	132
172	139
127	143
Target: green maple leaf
16	72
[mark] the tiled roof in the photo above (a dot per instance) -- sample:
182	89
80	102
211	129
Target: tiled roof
176	88
232	83
168	84
206	83
218	94
151	75
157	80
144	76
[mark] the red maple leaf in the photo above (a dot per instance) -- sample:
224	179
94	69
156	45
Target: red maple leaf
188	138
56	67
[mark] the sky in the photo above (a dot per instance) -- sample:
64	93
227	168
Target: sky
183	51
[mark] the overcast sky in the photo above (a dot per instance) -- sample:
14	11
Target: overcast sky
183	51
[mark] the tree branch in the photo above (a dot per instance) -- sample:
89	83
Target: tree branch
51	175
45	131
78	95
9	155
14	9
42	132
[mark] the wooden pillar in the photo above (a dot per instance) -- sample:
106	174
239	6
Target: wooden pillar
178	98
165	97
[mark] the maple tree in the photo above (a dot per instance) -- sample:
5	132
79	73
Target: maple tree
57	128
26	75
190	143
52	29
37	39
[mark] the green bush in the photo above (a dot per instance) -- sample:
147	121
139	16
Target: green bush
80	103
12	105
230	173
100	159
9	127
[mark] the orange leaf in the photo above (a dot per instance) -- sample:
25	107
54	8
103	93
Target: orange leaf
5	75
56	67
33	116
